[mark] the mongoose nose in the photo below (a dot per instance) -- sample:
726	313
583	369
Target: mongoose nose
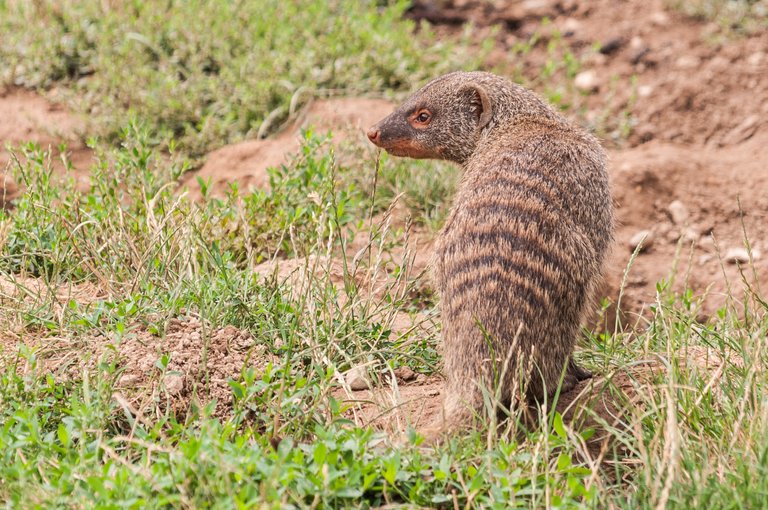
373	135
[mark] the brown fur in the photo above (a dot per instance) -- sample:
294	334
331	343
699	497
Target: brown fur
524	242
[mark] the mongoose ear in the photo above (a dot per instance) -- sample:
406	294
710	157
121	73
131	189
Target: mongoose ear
479	98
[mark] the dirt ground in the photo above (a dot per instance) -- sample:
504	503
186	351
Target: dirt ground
692	177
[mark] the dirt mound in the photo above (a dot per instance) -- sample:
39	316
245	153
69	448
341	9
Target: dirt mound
700	201
246	162
27	117
201	362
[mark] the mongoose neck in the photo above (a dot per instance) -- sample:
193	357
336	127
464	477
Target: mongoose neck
513	136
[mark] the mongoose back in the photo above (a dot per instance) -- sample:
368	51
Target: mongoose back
524	243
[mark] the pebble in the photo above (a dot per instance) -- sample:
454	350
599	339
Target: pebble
174	384
690	235
687	62
737	256
743	131
678	212
636	43
756	59
596	59
357	378
570	26
660	18
611	45
405	374
644	90
643	239
637	55
128	380
586	81
707	242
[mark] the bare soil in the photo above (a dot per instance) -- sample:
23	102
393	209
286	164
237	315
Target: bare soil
693	173
27	117
246	162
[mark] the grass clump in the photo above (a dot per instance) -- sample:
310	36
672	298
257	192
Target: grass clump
209	72
743	17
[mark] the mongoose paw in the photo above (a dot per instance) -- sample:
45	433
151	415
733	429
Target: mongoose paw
580	374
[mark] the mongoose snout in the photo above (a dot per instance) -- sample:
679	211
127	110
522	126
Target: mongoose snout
373	135
525	241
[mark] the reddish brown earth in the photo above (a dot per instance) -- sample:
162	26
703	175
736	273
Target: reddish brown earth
246	162
693	172
27	117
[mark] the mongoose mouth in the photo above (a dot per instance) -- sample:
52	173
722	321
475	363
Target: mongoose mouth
406	148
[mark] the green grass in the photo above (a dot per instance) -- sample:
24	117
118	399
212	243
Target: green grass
83	273
742	17
210	72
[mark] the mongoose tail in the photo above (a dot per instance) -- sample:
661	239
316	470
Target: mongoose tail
524	243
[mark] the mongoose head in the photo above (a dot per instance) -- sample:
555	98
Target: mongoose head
447	117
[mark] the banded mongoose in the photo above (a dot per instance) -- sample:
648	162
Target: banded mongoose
524	242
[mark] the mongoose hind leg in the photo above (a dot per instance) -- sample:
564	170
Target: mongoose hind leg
574	374
462	406
581	374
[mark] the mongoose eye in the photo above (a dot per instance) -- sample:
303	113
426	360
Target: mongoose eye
420	118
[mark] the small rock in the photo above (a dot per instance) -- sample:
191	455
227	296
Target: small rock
737	256
405	374
687	62
660	18
663	230
643	239
570	26
756	59
637	55
586	81
611	45
174	384
421	378
357	378
672	235
644	90
678	212
638	50
636	43
537	8
690	235
707	242
719	63
128	380
705	258
596	59
743	131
